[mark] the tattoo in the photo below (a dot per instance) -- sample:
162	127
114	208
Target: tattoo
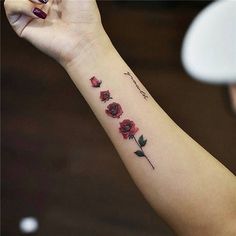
128	130
127	127
95	82
105	96
114	110
137	86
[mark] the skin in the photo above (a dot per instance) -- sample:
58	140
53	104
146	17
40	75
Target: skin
189	188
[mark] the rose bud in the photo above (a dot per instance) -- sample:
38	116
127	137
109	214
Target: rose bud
105	96
128	129
95	82
114	110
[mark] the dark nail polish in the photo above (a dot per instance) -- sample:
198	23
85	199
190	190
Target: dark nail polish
43	1
39	13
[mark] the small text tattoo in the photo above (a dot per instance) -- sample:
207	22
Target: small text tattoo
145	96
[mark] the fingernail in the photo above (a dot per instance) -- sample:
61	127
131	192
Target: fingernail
43	1
39	13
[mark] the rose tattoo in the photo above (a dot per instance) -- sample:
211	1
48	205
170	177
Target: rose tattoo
114	110
95	82
128	130
105	96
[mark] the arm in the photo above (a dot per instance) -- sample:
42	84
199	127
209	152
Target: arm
186	186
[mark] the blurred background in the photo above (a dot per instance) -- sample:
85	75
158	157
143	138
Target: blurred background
59	166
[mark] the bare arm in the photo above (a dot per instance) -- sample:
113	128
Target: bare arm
186	186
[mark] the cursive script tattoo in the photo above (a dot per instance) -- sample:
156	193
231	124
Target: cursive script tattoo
137	86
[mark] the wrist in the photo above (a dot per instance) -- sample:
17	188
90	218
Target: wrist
88	51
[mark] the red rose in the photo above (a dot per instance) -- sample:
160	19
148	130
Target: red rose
128	129
114	110
105	96
95	82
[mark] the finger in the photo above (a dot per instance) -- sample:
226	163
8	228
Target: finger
39	1
14	9
40	11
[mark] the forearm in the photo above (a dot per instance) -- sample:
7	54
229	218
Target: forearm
190	189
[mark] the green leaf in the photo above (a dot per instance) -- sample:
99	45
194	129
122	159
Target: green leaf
139	153
142	141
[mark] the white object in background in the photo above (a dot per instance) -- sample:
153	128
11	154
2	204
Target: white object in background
209	47
28	225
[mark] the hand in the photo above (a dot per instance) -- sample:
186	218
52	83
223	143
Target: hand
69	27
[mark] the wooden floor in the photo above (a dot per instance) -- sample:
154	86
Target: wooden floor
57	163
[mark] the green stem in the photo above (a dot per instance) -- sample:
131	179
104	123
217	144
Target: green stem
144	153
